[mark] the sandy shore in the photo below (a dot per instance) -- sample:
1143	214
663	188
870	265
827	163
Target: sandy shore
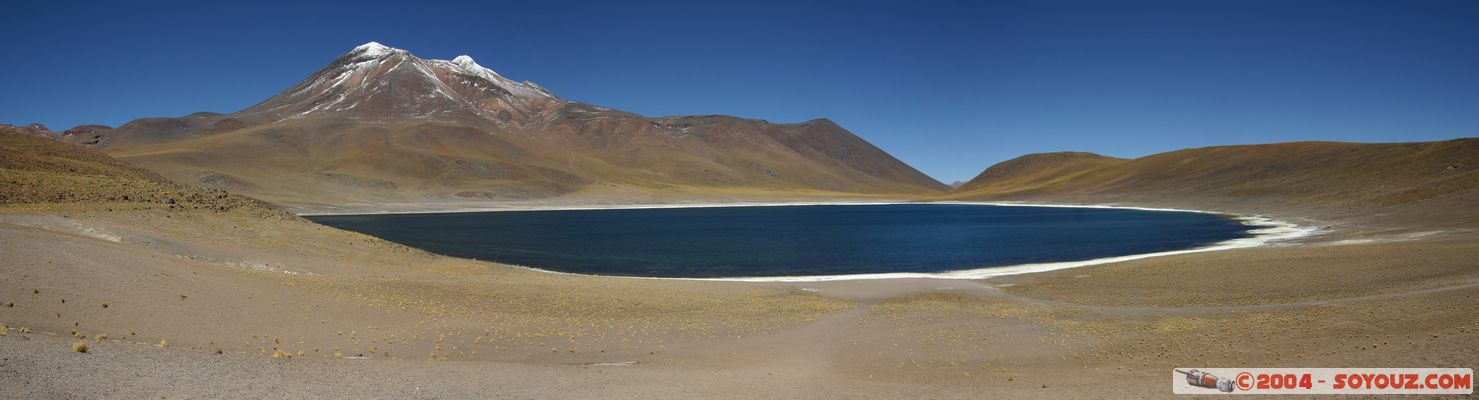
348	315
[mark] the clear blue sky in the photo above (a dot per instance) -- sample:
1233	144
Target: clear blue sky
948	87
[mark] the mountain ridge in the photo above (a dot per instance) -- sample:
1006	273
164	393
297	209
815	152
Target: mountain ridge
380	125
1370	182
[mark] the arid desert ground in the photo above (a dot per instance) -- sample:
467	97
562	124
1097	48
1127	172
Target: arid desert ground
181	292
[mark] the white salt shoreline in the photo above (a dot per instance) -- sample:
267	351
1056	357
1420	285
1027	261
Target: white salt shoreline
1272	232
577	207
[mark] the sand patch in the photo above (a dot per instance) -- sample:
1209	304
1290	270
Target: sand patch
60	225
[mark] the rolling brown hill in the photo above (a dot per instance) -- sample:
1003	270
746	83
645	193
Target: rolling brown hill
1034	172
36	170
1438	181
379	125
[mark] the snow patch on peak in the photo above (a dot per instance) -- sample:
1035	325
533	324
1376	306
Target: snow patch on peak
466	65
374	49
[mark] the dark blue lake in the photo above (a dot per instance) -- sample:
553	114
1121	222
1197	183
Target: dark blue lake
795	240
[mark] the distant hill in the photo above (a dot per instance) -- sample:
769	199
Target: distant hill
1035	172
381	125
1367	181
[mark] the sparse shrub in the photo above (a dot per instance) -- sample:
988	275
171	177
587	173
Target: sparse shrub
163	344
278	353
100	337
80	347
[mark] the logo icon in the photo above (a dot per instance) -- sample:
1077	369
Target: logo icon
1207	380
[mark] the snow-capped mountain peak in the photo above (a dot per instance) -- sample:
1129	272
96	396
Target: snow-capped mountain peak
374	49
466	65
377	82
466	61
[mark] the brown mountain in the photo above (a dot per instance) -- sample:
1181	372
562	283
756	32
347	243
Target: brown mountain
1354	181
379	125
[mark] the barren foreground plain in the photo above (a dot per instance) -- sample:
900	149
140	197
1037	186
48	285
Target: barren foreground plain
180	292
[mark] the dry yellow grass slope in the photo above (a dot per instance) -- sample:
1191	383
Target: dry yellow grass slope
1437	181
38	170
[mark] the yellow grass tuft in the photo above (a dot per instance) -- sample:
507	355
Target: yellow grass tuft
163	344
101	337
278	353
4	329
80	347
